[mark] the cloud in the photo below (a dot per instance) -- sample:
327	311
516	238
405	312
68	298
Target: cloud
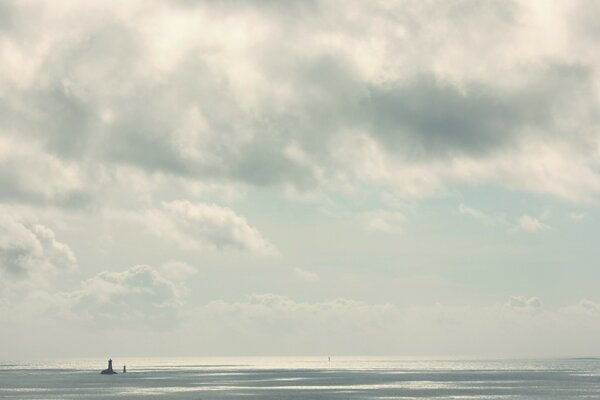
274	315
391	222
200	225
123	299
177	270
530	224
305	275
523	303
28	173
128	302
478	215
30	251
276	324
426	116
117	108
577	216
230	103
524	223
584	307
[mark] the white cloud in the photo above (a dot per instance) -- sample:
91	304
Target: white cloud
478	215
30	251
28	173
523	303
520	327
391	222
524	223
556	170
95	94
531	224
577	216
119	106
274	315
305	275
200	225
177	270
584	307
123	299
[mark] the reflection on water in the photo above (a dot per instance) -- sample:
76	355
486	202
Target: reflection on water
303	378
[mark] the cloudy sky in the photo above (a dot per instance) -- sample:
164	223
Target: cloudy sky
304	177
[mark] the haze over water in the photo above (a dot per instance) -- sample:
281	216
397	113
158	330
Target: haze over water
303	378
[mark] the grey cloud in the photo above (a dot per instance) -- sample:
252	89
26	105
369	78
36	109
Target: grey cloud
581	19
267	165
62	106
230	144
426	117
64	123
101	95
289	9
31	251
6	15
100	104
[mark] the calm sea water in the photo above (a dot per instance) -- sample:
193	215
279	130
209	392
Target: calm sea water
303	378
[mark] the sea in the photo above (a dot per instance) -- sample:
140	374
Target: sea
302	378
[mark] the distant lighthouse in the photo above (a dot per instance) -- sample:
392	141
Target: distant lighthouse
109	370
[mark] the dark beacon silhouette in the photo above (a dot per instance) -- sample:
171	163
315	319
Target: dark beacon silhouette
124	369
109	370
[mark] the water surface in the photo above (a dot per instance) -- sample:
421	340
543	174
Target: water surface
302	378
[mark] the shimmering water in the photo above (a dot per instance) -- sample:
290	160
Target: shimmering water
303	378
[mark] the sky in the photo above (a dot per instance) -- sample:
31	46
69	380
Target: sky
214	178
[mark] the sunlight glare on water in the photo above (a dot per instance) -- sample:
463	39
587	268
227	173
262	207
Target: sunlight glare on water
303	377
